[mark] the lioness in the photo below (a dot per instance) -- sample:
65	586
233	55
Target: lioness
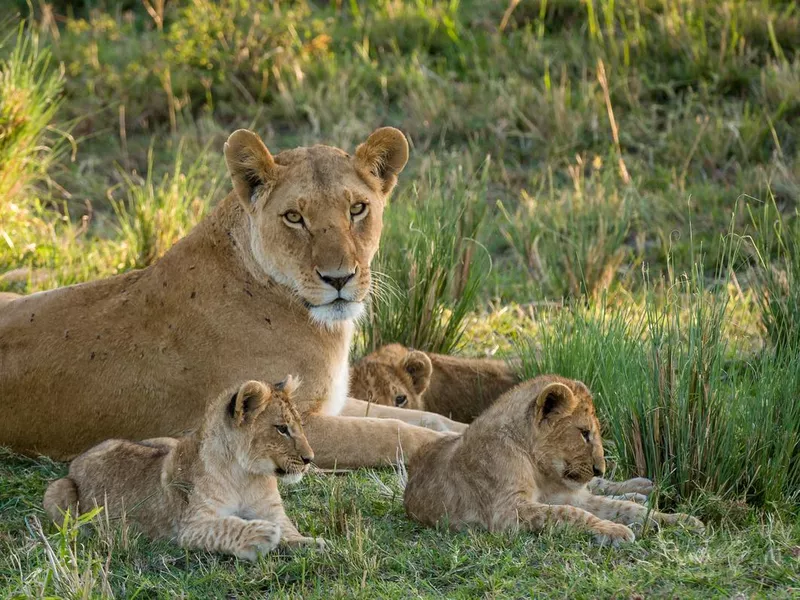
523	463
269	283
213	490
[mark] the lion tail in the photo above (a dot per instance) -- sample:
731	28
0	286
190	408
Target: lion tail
61	496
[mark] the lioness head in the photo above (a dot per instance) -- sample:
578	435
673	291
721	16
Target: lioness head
316	215
266	432
564	431
392	376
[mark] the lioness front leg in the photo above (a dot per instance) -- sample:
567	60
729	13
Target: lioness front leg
353	442
420	418
630	513
534	516
231	535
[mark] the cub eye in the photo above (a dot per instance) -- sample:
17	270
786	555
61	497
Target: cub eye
359	209
585	433
283	430
293	218
400	401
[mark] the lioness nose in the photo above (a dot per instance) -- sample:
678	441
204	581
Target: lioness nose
306	460
336	281
597	472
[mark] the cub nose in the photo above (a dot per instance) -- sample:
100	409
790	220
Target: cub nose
336	280
306	460
597	472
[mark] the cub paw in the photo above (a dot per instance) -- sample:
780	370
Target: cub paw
637	485
612	534
687	521
631	497
260	537
317	544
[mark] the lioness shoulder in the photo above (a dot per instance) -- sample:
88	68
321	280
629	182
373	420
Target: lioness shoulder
214	489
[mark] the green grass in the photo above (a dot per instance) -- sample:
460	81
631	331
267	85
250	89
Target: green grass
376	552
608	187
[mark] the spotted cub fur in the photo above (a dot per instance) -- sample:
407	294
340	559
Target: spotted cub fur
215	489
526	462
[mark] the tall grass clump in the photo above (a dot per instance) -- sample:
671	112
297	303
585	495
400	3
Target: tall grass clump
156	214
431	267
679	403
572	242
777	276
30	92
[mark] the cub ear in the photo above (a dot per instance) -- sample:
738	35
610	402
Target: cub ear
419	366
555	400
288	385
248	402
382	157
250	165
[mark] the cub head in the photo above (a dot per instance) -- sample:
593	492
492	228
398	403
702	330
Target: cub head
565	433
315	215
392	376
266	431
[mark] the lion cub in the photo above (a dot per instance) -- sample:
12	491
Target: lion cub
523	463
214	489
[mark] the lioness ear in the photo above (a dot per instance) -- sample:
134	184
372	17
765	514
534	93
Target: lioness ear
555	400
383	157
418	365
250	165
248	402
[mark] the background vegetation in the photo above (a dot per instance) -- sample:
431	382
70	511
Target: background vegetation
607	188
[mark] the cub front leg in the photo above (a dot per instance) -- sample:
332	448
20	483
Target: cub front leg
291	537
354	442
630	513
420	418
606	487
534	516
231	535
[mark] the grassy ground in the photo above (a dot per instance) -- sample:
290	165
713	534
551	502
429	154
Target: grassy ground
608	189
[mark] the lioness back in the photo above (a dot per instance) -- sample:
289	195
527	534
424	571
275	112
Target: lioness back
269	283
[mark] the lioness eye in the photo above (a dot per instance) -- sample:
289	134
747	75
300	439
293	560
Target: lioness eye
358	209
293	217
283	430
585	433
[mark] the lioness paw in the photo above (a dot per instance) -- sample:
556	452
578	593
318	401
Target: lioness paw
442	424
612	534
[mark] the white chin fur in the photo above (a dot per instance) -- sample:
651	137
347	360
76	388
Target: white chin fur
336	312
291	478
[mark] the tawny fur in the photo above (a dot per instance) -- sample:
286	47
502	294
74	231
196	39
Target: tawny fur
456	387
214	490
524	463
6	297
241	297
459	388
